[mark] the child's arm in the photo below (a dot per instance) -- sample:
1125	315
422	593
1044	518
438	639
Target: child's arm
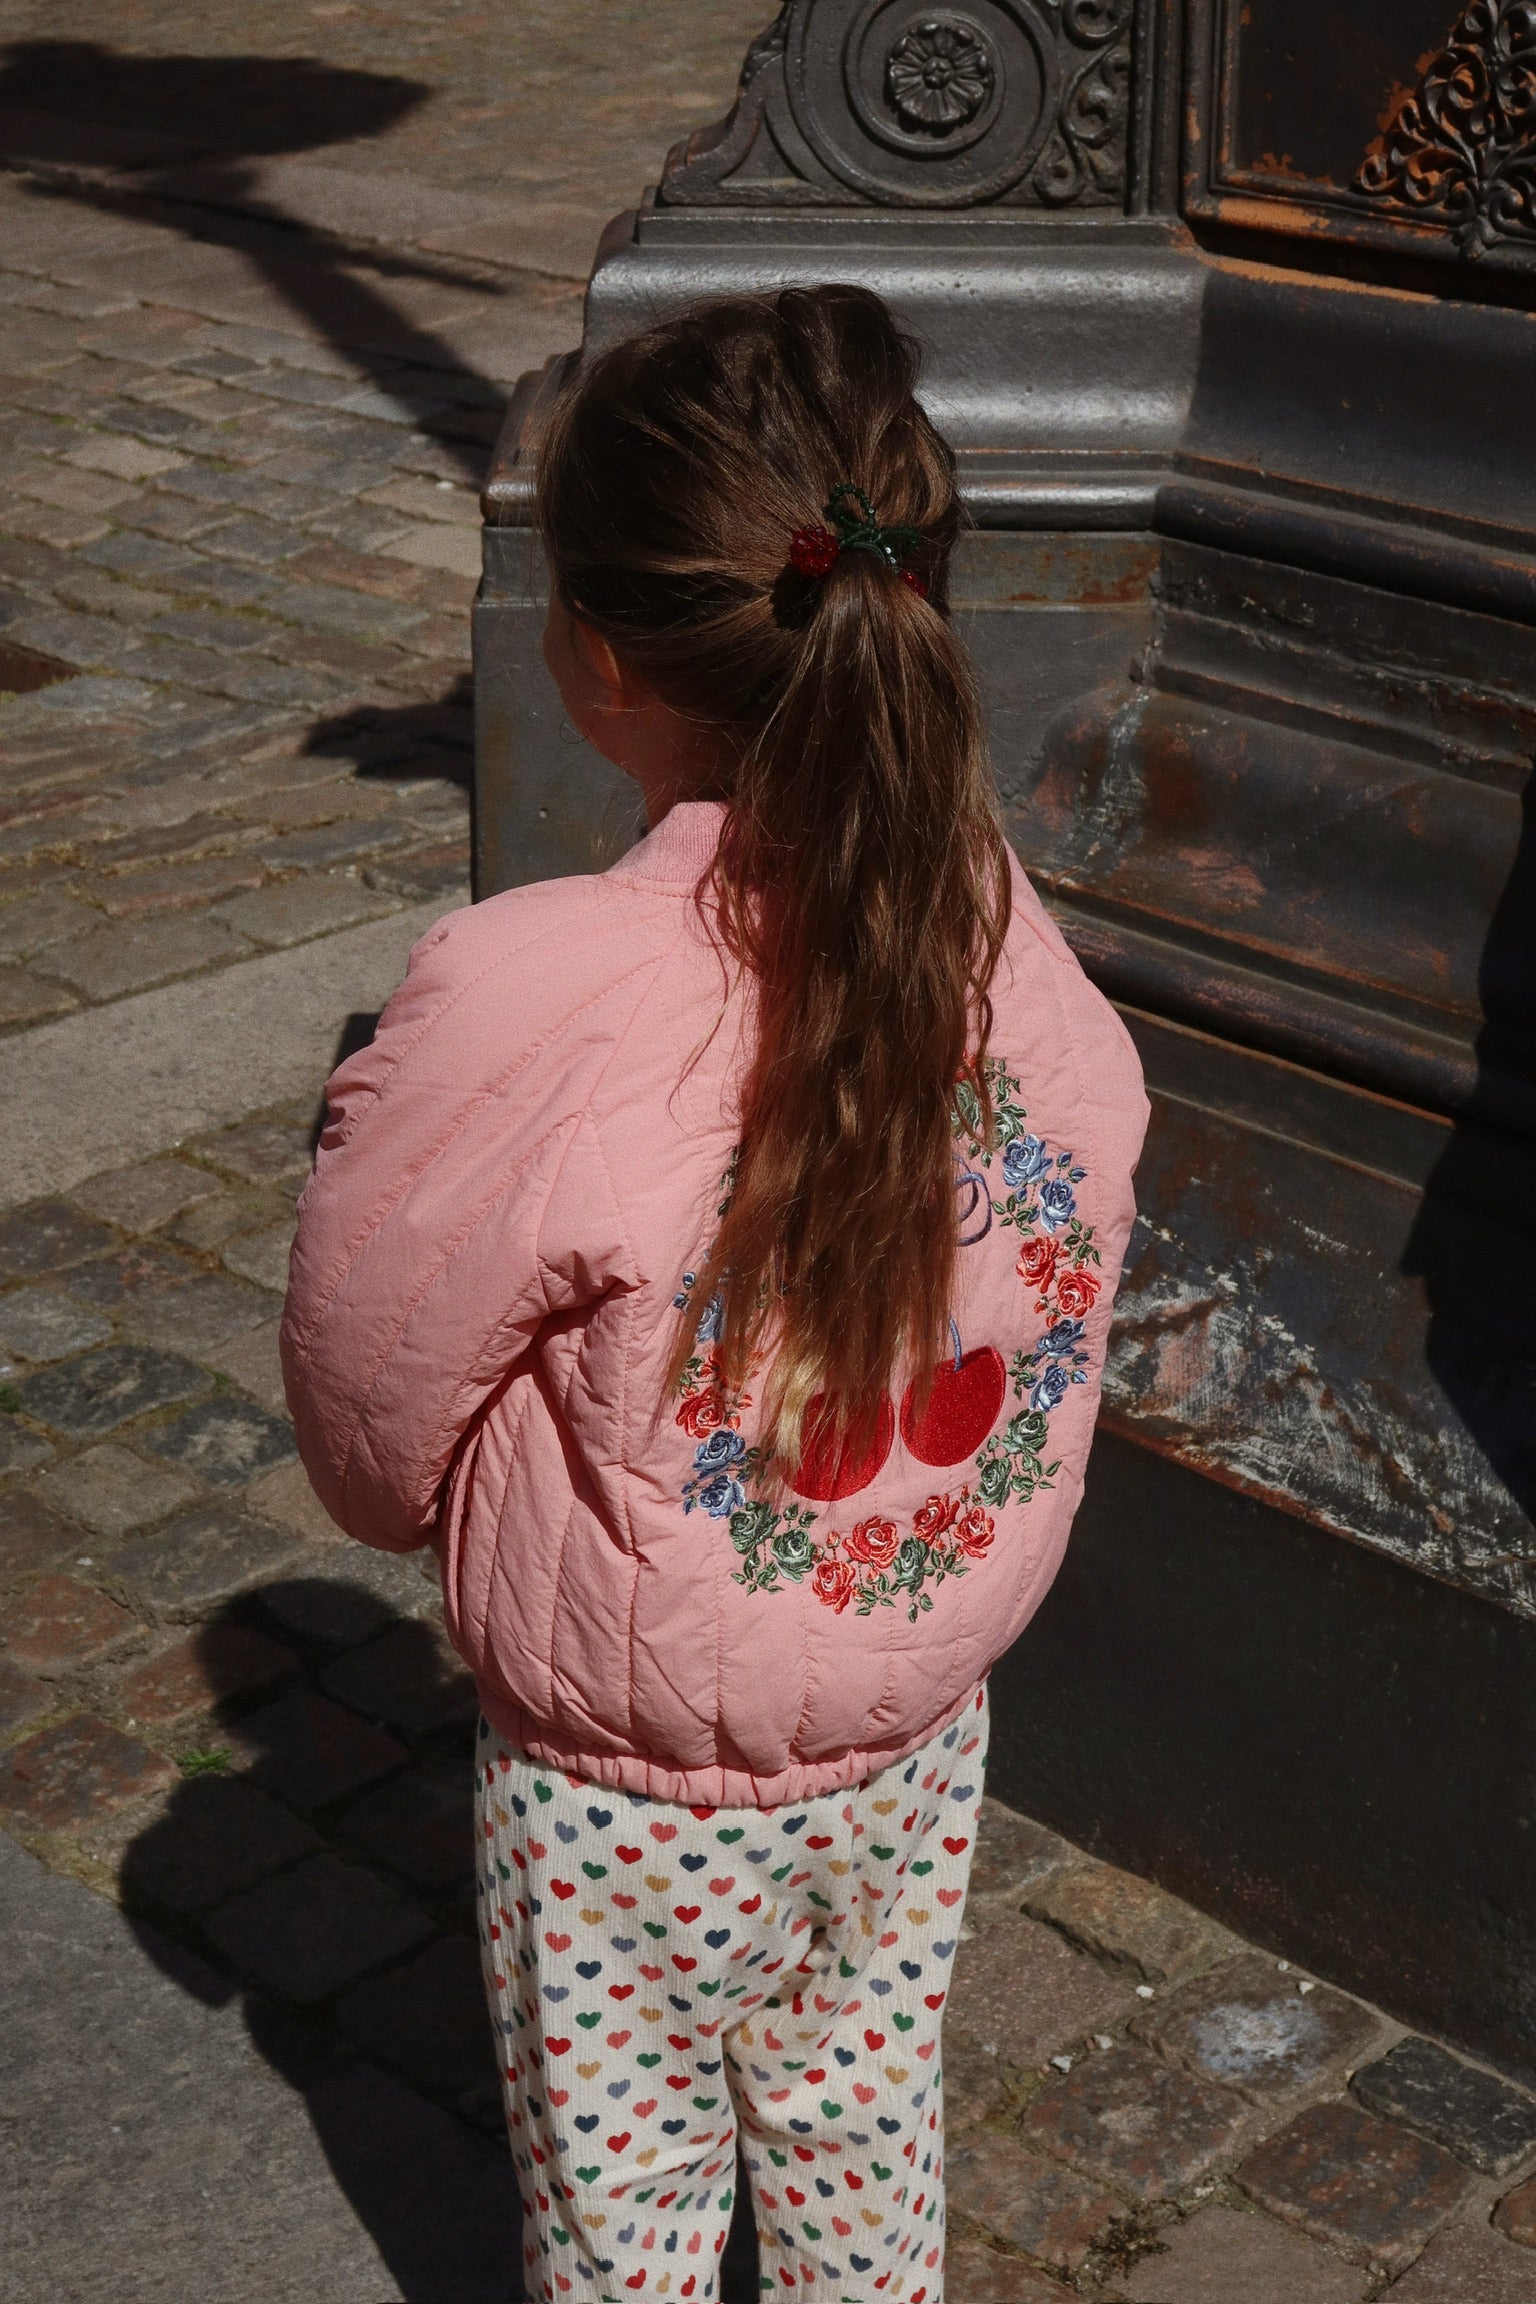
451	1162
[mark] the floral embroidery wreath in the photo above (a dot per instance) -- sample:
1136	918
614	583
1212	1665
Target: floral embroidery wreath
876	1564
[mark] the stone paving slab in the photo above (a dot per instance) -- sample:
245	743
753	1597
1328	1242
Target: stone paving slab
1023	1994
1272	2035
139	1077
1126	1920
1489	2125
310	1932
1375	2190
974	2274
165	2141
975	2083
1469	2264
1028	2200
1011	1851
1126	2119
1221	2257
63	1778
1516	2214
195	1678
33	1537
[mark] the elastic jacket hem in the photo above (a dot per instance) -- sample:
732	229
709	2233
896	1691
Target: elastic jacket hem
715	1786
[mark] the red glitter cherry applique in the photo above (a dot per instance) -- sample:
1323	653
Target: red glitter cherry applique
965	1402
813	551
830	1468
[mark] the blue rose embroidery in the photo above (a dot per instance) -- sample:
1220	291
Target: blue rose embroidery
712	1319
1024	1160
715	1486
1049	1388
1058	1203
722	1495
1061	1341
720	1449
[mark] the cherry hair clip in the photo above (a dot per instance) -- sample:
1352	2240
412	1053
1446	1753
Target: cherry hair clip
855	528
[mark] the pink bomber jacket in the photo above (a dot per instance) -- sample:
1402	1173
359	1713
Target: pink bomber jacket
514	1189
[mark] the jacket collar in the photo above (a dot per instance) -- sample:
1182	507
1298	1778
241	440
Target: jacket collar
680	850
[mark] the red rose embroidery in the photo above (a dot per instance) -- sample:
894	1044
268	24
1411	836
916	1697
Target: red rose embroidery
702	1413
975	1531
930	1520
1075	1293
707	1408
833	1584
874	1541
1037	1262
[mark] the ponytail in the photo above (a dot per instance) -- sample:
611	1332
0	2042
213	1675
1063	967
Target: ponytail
861	877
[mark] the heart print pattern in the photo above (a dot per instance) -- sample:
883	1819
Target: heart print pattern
665	1982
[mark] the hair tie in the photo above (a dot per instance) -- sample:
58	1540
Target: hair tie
815	551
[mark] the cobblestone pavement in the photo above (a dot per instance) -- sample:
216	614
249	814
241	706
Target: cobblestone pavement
550	100
244	418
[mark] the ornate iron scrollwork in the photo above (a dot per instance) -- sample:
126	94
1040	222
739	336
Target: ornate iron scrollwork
1084	157
1461	151
908	103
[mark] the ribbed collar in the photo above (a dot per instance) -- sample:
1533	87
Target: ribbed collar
680	850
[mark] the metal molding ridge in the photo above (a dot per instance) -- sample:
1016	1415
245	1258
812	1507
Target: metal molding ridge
1401	557
1023	494
1101	500
1105	496
1374	1050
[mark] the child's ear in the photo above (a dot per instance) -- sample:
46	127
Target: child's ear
602	663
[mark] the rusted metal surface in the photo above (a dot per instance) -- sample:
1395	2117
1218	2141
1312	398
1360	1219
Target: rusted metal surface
1303	831
1302	861
1272	1326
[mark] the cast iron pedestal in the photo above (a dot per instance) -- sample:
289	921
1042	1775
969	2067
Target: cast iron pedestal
1228	312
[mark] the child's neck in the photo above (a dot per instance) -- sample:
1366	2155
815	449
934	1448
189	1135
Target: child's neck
695	772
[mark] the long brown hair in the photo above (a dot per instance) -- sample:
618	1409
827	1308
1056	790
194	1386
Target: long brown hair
861	877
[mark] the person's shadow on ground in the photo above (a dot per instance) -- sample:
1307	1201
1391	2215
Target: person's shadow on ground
317	1862
177	142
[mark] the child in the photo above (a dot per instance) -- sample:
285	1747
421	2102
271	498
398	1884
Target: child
712	1258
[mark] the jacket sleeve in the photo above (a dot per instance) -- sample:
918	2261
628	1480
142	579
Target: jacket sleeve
459	1200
